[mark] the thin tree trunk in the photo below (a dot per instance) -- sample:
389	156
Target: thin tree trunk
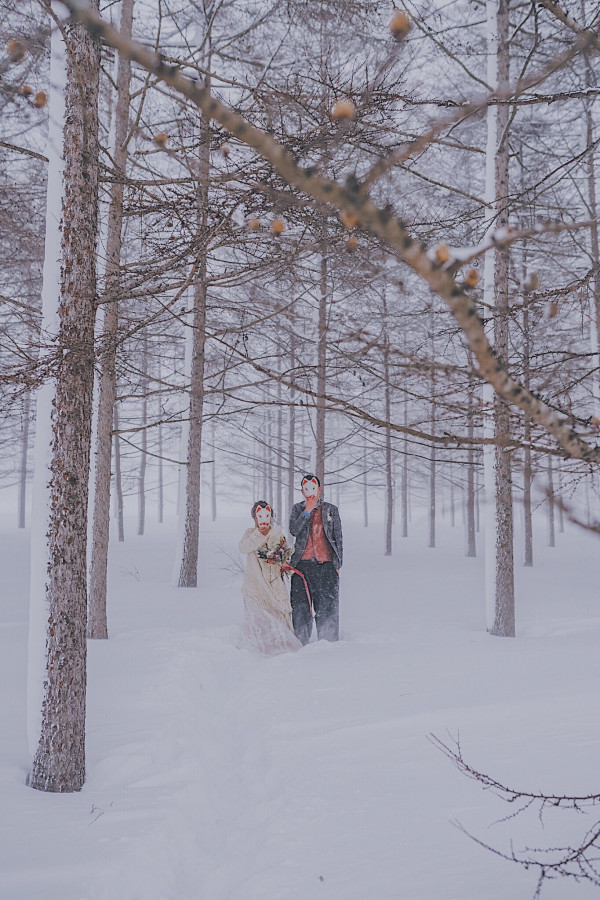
389	496
405	472
279	455
551	534
161	488
527	468
188	573
365	484
213	470
271	464
561	517
471	542
59	762
22	499
500	598
118	476
432	479
161	485
264	459
292	425
321	364
432	459
107	384
144	447
594	241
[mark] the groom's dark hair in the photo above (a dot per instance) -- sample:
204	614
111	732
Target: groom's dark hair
309	478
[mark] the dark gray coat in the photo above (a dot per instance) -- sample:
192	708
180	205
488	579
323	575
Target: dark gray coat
332	526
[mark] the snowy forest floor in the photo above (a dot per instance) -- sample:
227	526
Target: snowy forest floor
213	774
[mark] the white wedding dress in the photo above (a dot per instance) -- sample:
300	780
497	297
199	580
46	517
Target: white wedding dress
267	611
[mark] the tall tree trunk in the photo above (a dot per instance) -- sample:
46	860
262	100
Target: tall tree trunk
161	484
59	576
107	382
22	499
188	573
500	600
365	484
551	534
213	472
590	83
561	516
321	363
389	488
527	467
118	476
279	455
432	479
144	447
264	459
432	459
292	426
405	471
471	543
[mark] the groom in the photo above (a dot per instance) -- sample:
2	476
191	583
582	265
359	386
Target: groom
317	528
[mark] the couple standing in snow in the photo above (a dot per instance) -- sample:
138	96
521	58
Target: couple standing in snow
274	620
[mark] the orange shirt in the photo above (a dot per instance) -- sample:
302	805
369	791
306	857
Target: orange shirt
317	545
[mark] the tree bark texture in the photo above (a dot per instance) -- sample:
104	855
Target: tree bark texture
59	763
504	613
107	383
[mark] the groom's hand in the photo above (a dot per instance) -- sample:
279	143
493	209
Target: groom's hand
311	502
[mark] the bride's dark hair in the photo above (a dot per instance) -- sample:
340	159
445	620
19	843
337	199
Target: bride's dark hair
262	503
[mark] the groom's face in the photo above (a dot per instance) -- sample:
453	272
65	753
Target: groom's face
310	488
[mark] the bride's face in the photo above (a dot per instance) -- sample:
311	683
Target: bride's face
264	517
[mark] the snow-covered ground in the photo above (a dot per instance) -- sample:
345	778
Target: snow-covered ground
213	774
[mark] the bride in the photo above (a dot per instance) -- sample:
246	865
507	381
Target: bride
268	613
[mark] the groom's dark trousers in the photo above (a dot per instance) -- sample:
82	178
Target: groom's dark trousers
323	584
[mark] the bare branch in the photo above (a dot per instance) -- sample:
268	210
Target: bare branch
379	222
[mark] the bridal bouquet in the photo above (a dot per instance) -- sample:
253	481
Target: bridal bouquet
277	551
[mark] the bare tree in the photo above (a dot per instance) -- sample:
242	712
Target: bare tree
59	762
107	378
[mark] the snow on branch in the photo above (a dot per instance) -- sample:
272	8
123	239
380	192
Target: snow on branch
352	200
454	258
